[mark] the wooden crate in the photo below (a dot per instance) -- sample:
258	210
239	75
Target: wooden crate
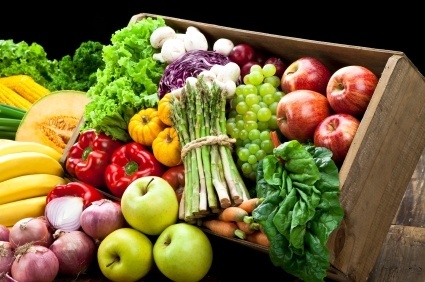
386	148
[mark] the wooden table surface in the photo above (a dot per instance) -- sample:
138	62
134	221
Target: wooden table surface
402	257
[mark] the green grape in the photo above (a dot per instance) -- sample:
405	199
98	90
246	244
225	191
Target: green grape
256	67
240	124
262	104
273	107
255	77
264	114
243	154
262	125
239	89
267	99
246	142
267	88
249	116
251	99
269	70
243	134
246	80
238	118
235	132
254	108
254	134
252	159
260	154
241	108
232	114
230	126
246	168
273	123
265	135
267	146
273	80
251	125
254	166
278	95
250	89
253	148
256	141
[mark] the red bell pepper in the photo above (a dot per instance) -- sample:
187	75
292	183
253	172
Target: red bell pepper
129	162
88	158
176	178
75	189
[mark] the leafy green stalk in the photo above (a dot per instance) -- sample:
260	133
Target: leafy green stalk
300	207
8	111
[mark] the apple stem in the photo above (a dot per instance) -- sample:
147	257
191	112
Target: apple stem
150	181
112	262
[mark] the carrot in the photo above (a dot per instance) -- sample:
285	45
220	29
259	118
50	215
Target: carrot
232	214
223	228
251	204
248	228
258	237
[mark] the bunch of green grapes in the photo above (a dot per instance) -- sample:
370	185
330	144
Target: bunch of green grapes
252	116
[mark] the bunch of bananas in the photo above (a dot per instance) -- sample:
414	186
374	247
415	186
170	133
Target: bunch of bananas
28	171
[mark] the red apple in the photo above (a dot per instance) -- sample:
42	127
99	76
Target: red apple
306	73
299	112
350	89
242	54
336	132
279	64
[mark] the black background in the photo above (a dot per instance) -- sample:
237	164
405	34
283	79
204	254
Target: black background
60	27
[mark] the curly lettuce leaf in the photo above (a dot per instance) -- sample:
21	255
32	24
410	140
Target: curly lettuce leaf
129	81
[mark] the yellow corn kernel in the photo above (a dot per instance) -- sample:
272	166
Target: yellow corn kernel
10	97
25	86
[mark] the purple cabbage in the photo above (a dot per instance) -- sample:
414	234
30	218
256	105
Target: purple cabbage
189	64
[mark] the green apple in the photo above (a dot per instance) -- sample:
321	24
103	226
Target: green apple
149	204
183	252
125	254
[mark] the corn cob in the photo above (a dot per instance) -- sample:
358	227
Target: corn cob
10	97
25	86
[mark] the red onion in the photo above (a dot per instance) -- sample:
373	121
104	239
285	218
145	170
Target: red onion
75	251
34	263
30	229
4	233
101	218
64	213
6	257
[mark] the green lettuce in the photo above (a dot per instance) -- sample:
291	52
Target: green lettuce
129	81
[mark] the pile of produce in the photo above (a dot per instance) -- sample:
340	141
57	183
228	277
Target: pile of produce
163	136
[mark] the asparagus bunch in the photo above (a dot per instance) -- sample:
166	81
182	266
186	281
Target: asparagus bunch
212	180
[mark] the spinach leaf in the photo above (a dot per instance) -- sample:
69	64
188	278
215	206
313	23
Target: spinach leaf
301	207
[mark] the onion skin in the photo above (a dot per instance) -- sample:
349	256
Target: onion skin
30	230
4	233
75	250
34	263
101	218
6	257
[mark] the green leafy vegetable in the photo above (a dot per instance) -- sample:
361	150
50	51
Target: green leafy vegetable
69	73
129	81
301	207
78	72
29	59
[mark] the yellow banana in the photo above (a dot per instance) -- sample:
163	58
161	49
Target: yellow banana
12	212
23	163
28	186
5	141
28	146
